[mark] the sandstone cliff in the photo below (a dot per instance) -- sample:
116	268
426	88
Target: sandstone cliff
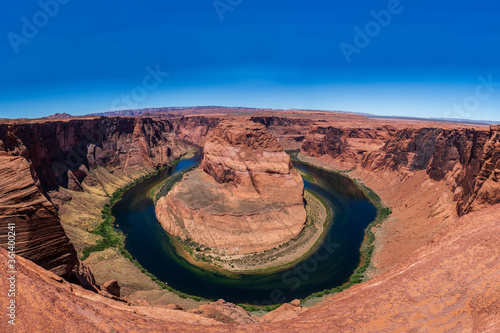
76	165
62	153
444	283
195	128
464	158
246	197
38	233
485	190
289	131
445	151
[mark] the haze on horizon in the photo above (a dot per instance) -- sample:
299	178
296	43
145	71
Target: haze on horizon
400	58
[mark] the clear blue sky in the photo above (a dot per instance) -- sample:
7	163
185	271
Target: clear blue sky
423	59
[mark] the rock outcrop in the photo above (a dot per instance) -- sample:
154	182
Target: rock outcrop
485	190
246	197
37	234
326	140
63	152
285	312
465	158
225	312
112	287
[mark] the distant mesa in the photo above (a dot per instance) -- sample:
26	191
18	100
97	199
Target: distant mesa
246	196
59	115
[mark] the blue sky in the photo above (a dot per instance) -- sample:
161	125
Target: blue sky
420	58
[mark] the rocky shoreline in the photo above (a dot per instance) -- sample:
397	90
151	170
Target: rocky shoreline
276	259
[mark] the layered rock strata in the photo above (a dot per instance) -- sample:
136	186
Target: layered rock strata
485	190
246	197
35	230
62	172
465	158
62	153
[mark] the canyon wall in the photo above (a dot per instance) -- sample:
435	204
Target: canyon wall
449	285
195	129
465	158
485	189
71	167
36	231
289	131
62	153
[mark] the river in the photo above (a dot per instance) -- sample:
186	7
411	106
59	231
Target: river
329	266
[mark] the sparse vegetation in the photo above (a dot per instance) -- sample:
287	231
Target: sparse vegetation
305	175
110	238
165	187
368	246
257	308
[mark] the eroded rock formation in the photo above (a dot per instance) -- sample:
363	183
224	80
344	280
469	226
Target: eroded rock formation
195	128
486	186
246	197
62	153
465	158
37	233
80	162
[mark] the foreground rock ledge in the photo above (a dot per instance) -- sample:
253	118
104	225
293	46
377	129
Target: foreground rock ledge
245	198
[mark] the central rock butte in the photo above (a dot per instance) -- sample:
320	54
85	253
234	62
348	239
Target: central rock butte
246	197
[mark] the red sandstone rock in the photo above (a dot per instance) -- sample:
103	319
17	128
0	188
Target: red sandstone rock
62	153
451	284
285	312
448	285
246	197
225	312
195	129
486	187
111	287
38	233
465	158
